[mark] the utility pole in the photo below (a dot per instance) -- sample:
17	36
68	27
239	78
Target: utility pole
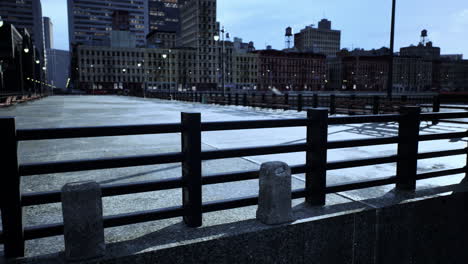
392	48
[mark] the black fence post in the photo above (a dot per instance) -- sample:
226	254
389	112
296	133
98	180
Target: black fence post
315	101
192	169
264	99
332	104
376	105
408	133
299	102
244	99
273	101
237	99
286	101
351	105
436	107
229	99
10	191
316	156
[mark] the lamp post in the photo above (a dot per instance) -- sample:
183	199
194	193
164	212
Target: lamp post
223	64
145	78
392	43
216	65
165	56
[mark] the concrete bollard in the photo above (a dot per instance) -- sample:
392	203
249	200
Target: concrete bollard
274	201
83	221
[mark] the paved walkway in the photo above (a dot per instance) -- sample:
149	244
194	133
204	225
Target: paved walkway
76	111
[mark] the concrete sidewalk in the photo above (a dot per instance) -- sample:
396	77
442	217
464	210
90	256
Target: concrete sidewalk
77	111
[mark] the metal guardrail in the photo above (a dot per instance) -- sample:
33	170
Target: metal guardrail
191	181
352	104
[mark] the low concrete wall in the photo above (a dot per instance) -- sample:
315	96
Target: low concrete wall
429	229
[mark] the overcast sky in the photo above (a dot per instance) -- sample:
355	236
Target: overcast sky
363	23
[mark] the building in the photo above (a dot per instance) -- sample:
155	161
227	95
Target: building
426	51
48	33
323	39
412	74
90	22
20	68
58	67
364	73
126	70
245	70
243	47
198	29
121	36
367	70
25	15
164	14
453	75
291	71
160	39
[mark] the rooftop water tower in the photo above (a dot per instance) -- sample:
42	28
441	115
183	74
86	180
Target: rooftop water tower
424	37
288	36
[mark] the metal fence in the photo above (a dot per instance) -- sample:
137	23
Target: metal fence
190	183
351	104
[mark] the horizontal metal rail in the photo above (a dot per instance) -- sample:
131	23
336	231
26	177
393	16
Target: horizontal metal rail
98	164
454	122
439	154
355	185
440	116
254	124
362	119
253	151
39	198
107	131
431	137
104	131
338	165
56	229
367	142
442	173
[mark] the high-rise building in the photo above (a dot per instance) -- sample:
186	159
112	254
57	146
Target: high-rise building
58	67
197	30
91	21
48	33
164	14
25	14
322	40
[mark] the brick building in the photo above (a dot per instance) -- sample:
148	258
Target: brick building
291	71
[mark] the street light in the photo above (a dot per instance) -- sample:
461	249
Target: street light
26	50
223	65
392	44
1	22
165	56
38	61
145	79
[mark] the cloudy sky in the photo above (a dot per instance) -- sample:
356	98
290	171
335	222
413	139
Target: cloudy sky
364	23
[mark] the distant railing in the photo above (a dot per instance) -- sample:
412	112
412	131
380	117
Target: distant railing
15	234
351	104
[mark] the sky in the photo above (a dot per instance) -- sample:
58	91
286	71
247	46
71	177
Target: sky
363	23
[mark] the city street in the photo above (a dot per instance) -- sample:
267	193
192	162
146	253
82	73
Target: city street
79	111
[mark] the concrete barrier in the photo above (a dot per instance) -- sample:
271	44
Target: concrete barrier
423	227
83	223
274	201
